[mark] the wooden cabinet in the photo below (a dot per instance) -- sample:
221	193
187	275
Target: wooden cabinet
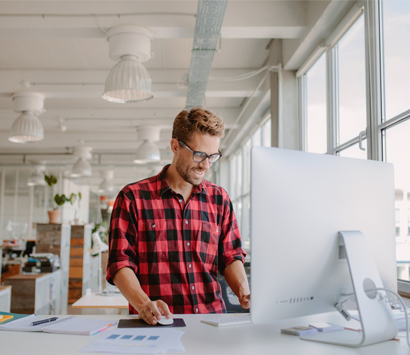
39	294
5	298
55	238
83	266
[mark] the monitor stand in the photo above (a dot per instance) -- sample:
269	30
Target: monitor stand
378	323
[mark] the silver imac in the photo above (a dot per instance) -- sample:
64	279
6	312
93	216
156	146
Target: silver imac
299	204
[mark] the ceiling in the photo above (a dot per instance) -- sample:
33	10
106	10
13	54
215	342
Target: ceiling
60	48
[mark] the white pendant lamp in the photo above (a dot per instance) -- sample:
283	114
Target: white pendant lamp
27	127
106	185
148	152
82	167
36	178
128	80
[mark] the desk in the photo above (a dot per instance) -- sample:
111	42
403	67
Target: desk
203	339
98	301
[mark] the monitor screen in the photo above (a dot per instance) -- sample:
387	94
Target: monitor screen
299	202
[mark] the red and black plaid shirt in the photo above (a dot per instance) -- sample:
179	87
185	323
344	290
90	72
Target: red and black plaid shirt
175	248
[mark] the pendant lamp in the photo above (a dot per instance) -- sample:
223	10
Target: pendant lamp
27	127
82	167
129	80
36	178
106	185
148	152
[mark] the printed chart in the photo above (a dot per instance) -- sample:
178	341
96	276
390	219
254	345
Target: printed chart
132	341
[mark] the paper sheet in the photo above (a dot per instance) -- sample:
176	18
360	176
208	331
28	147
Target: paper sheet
136	341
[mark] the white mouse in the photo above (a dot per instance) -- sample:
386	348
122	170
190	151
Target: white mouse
165	321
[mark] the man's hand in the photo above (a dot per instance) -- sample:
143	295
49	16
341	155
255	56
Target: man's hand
245	301
238	282
151	311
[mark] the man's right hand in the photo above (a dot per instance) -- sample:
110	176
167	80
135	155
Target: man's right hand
150	311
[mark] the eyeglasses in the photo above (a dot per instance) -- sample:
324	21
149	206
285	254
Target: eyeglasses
199	157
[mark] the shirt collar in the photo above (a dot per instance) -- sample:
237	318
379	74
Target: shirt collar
164	186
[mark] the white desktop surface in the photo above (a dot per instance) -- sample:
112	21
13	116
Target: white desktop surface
98	301
203	339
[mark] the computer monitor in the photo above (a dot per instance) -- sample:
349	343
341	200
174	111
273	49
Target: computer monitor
299	203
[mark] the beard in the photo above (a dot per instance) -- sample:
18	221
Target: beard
186	172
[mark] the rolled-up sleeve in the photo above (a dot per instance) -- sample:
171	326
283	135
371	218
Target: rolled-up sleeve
122	237
230	245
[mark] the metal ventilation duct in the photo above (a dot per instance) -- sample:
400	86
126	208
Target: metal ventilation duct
207	33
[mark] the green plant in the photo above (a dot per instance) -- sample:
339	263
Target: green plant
50	180
62	199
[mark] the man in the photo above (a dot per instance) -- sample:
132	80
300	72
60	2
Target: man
170	233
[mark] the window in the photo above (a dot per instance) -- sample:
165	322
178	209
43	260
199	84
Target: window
240	182
396	56
395	125
371	39
315	86
351	83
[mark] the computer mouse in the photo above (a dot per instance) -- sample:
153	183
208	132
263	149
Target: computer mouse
165	321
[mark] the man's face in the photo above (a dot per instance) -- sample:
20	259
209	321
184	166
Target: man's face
187	168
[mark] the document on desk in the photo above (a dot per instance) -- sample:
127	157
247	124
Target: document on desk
69	325
137	341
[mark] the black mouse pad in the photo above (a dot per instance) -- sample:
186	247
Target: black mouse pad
139	323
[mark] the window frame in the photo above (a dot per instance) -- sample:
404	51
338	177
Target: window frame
244	191
375	90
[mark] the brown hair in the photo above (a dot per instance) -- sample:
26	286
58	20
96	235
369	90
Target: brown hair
197	120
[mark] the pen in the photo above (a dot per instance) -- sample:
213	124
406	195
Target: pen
44	321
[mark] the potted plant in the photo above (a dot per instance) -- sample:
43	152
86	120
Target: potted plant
53	215
59	200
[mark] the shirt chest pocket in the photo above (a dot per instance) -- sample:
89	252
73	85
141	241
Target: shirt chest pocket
152	241
207	244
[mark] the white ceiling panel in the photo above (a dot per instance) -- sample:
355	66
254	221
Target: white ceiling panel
241	53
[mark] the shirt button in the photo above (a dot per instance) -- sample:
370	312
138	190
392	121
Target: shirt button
193	287
180	200
186	222
196	309
188	244
153	226
189	265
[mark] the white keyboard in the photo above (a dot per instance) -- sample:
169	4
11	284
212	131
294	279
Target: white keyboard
227	321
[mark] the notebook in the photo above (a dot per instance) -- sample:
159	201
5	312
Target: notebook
70	325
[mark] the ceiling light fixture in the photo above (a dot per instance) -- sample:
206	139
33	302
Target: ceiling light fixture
106	185
36	177
128	80
27	127
148	152
82	167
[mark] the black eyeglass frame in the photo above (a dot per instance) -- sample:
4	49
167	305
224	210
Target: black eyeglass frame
204	154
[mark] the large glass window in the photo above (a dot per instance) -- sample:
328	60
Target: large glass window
351	80
240	183
397	152
396	15
381	49
396	121
316	131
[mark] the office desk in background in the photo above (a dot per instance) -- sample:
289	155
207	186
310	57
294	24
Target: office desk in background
203	339
98	301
